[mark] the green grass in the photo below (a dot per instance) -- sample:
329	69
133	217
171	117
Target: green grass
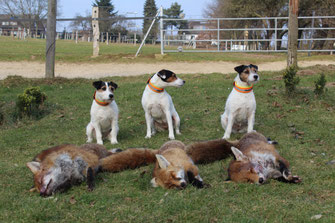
68	51
128	197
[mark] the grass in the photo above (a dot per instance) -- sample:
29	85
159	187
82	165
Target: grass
69	52
128	197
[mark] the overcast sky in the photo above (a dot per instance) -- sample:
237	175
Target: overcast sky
192	8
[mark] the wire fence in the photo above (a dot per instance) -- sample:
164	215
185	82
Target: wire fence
269	34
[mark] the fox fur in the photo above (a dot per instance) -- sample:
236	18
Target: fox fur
256	161
174	168
57	168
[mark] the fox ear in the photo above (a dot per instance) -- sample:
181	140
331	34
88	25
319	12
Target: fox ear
162	162
238	154
34	166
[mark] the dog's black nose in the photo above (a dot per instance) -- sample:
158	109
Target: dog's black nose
184	82
111	96
261	180
256	77
183	185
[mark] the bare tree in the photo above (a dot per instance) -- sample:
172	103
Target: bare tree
34	10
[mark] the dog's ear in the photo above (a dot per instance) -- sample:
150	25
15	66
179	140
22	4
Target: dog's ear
114	85
98	84
240	69
254	66
164	74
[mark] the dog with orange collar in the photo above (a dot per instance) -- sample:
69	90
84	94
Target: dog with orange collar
239	115
104	114
157	103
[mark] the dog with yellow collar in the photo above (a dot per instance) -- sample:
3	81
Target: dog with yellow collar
157	103
239	115
104	114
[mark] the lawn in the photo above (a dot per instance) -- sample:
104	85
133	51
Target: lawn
68	51
303	125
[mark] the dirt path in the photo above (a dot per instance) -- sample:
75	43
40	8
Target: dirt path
36	69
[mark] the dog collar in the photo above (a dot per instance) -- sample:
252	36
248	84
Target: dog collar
102	103
243	89
154	88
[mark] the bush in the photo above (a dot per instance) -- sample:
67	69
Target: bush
320	84
290	79
30	102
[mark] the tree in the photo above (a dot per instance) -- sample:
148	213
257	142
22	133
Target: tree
174	12
82	23
106	10
150	10
26	9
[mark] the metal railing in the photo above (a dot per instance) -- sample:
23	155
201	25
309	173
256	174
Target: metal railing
210	35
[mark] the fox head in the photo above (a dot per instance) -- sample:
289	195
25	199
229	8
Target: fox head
48	180
167	175
243	170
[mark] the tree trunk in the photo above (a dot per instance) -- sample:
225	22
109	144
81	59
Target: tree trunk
293	34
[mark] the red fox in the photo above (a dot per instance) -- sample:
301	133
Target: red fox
174	168
257	160
59	167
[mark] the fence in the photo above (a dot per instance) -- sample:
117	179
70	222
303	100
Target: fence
269	34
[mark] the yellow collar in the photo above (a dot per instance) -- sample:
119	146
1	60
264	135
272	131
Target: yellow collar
154	88
243	89
102	103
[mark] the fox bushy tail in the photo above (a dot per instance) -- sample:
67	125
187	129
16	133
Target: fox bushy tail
128	159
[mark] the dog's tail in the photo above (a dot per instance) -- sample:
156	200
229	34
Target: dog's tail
210	151
128	159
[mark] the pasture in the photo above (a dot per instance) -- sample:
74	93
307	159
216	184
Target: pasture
68	51
303	125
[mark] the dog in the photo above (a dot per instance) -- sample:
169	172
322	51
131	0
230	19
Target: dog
104	114
239	115
157	103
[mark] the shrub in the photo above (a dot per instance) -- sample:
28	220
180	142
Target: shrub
290	79
320	84
30	102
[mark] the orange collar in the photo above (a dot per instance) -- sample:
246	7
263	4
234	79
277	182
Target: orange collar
243	89
102	103
154	88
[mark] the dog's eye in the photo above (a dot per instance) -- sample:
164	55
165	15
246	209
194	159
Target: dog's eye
104	88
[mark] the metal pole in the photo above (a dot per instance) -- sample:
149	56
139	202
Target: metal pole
162	30
218	35
275	34
51	40
146	35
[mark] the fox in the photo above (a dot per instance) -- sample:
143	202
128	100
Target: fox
58	168
174	168
257	160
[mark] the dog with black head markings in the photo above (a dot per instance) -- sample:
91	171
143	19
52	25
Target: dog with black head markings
239	115
157	103
104	113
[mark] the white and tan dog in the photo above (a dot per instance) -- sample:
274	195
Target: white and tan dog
157	103
239	115
104	114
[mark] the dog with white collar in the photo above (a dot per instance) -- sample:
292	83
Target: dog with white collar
239	115
157	103
104	114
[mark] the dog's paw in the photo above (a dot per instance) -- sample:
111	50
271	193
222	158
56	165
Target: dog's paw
148	136
171	137
114	142
225	137
100	142
178	132
89	140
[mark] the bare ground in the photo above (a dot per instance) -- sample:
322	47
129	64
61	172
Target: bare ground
72	70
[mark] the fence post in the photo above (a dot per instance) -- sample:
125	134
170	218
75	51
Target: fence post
76	36
293	34
107	38
276	34
218	35
51	40
162	29
96	34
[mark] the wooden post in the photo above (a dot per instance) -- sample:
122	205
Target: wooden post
96	32
119	38
107	38
51	40
76	36
293	34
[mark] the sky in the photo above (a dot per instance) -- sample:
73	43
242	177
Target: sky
130	8
192	8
